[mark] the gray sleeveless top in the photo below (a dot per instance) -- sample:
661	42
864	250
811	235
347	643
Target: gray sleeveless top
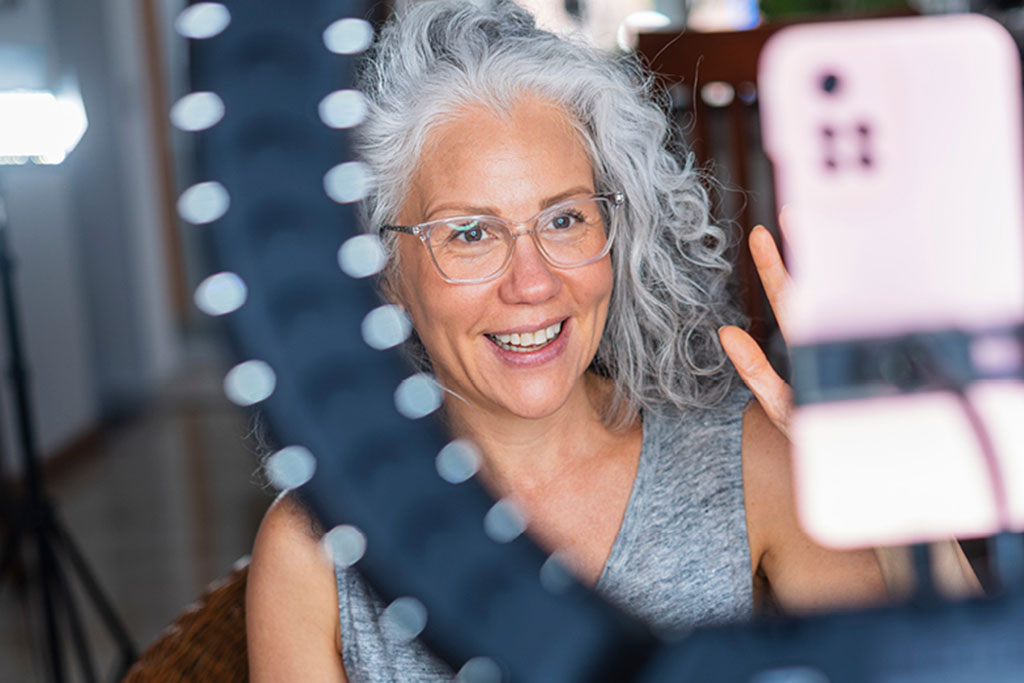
681	557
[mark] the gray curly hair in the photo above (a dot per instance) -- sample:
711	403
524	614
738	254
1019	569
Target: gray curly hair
670	294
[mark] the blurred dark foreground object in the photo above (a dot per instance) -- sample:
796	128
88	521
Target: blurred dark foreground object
924	640
206	642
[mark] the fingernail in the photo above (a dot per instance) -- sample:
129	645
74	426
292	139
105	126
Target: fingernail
783	214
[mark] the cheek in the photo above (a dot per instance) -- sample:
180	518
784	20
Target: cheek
600	292
609	280
599	285
440	312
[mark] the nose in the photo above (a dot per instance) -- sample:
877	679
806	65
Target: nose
529	278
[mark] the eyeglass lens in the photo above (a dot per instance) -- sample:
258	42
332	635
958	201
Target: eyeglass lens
477	247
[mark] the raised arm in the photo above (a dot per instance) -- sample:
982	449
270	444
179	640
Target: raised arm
802	575
818	572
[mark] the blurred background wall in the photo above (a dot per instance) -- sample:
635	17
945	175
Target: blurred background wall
101	322
148	464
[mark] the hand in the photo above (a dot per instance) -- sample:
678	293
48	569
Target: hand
952	571
771	391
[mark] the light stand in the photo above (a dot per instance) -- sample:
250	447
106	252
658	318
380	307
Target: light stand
32	520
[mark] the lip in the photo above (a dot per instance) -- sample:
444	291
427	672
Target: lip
529	328
540	356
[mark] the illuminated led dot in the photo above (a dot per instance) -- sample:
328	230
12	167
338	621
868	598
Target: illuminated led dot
348	36
385	327
404	619
504	522
291	467
458	461
197	111
554	576
202	20
362	256
791	674
479	670
418	396
203	203
249	382
221	294
343	109
345	544
348	182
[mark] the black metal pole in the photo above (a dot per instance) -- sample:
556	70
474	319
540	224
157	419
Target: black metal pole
78	638
35	515
95	593
17	371
27	441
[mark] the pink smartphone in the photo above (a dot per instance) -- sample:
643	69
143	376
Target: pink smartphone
897	152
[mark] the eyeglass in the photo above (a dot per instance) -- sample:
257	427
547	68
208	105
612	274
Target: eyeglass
474	249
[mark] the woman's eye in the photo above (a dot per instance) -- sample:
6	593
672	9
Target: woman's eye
566	220
467	233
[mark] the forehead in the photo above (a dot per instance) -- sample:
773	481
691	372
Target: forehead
505	161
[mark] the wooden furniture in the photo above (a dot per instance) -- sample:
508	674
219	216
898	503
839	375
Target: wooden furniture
713	80
206	642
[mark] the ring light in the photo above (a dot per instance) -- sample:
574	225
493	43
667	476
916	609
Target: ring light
271	109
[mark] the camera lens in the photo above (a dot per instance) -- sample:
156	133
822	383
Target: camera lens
830	83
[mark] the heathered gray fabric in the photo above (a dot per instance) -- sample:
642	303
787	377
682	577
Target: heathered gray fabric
681	557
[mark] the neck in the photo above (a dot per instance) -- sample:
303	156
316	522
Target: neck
524	454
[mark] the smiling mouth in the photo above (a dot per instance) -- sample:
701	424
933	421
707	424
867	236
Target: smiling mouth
527	342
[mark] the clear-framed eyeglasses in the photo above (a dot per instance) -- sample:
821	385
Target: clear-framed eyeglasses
474	249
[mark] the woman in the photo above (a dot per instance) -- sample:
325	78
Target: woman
583	359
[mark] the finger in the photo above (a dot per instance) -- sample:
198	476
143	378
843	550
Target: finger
774	276
784	214
771	391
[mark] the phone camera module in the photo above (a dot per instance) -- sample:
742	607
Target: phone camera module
830	83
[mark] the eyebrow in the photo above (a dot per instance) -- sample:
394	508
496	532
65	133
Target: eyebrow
469	209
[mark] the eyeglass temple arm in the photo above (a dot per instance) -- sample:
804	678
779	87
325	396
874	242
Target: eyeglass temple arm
407	229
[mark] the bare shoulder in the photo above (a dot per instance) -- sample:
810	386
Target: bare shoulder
291	600
764	446
801	574
288	518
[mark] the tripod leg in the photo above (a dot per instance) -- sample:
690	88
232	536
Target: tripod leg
9	551
96	595
47	570
75	623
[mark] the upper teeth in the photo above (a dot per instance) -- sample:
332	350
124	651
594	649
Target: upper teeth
530	338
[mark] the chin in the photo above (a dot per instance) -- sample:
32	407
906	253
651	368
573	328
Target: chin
535	403
533	412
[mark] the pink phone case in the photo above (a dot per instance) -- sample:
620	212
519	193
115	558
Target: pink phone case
897	152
